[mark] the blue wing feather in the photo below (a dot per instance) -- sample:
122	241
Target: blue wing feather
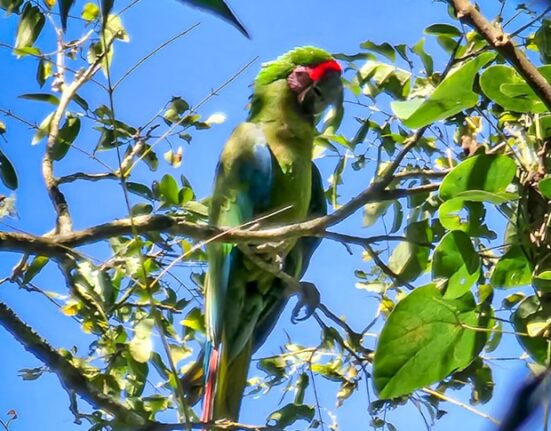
242	190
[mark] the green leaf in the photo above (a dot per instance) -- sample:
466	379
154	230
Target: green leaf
443	30
545	187
136	377
67	135
528	312
220	9
11	6
513	269
194	320
373	211
456	261
64	8
140	190
423	341
301	385
466	216
7	172
291	413
453	95
80	102
43	72
35	267
490	173
175	109
41	97
385	49
90	12
388	78
508	89
542	39
409	259
544	275
141	345
428	63
141	209
30	26
156	403
43	129
114	29
168	188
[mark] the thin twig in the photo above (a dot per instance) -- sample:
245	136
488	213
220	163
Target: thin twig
450	400
152	53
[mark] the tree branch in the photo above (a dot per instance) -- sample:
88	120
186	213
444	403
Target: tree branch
504	45
58	245
86	176
71	377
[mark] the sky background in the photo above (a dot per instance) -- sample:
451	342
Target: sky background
191	67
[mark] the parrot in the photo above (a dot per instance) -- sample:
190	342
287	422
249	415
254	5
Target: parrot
265	172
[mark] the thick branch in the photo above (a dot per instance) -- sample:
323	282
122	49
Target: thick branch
60	244
73	380
502	43
70	376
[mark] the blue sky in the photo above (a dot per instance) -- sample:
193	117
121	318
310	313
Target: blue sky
191	67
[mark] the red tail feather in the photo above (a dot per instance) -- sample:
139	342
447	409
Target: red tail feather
208	400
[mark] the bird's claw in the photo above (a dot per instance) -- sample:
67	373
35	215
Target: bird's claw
309	300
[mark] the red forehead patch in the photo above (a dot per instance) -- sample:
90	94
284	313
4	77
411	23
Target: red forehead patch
317	72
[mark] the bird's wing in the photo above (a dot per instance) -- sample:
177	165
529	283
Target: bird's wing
296	263
242	191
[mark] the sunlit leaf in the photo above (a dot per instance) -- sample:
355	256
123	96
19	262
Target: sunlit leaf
409	259
451	96
291	413
456	262
507	88
489	173
513	269
30	25
44	71
385	49
424	339
529	311
141	345
168	188
90	12
443	29
35	267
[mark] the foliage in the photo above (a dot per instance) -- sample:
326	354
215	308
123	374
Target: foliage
459	155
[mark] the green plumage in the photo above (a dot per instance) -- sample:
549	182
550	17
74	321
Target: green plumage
265	170
282	67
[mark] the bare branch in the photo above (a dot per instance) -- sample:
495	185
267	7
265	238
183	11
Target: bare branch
88	177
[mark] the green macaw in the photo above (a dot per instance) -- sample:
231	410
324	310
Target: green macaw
265	171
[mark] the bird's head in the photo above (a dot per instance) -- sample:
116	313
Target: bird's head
312	74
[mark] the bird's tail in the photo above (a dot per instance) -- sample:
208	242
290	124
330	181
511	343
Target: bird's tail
211	370
225	383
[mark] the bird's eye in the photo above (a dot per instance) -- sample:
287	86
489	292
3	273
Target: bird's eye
318	92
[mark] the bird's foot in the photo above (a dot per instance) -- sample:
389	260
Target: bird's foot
270	247
309	300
